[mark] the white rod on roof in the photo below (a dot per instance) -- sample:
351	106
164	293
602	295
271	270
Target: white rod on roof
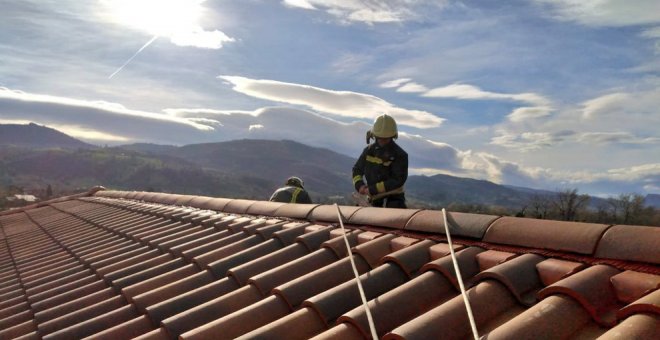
460	278
372	327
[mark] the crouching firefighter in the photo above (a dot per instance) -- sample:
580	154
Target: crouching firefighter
382	168
292	192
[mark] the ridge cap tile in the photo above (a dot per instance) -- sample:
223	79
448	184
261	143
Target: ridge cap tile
577	237
460	224
382	217
630	243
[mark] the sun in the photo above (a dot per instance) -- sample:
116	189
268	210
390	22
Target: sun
165	18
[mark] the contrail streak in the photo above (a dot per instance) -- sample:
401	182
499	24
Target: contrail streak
134	55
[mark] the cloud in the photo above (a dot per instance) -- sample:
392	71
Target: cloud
605	104
530	141
97	120
616	137
526	113
340	103
395	83
369	12
464	91
412	88
540	109
605	13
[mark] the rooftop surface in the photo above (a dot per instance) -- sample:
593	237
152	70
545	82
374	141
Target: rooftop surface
119	265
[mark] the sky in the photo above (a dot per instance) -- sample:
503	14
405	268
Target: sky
546	94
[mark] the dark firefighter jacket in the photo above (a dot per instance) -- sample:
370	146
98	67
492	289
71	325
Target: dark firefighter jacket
384	168
291	194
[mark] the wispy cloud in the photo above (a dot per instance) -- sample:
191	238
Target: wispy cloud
541	105
341	103
8	95
605	12
530	141
369	12
465	91
616	137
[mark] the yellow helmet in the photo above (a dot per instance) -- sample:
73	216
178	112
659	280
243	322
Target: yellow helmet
384	127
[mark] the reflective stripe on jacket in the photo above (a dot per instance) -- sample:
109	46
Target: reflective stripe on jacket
291	194
385	169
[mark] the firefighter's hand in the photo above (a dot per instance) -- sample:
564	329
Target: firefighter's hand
364	190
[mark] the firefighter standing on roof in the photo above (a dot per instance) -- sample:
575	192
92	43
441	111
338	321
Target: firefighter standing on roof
382	168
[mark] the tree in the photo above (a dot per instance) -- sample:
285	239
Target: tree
628	208
49	191
568	204
540	206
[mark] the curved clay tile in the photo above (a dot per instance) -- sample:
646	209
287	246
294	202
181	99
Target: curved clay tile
491	302
460	224
492	258
240	322
412	258
299	325
342	331
556	317
409	300
545	234
328	213
320	271
334	302
631	243
552	270
518	275
647	304
442	249
295	210
238	206
271	279
217	204
638	326
264	208
382	217
467	262
630	285
592	289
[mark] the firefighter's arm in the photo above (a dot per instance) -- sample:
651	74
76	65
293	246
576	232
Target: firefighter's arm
358	171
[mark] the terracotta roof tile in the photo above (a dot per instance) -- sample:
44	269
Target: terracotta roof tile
648	304
630	286
238	206
555	235
301	324
640	326
556	317
110	266
553	270
387	217
592	289
241	321
634	243
460	224
519	275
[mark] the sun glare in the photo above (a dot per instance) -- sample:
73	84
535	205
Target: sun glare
157	17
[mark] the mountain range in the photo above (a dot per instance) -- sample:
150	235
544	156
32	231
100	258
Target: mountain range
34	156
